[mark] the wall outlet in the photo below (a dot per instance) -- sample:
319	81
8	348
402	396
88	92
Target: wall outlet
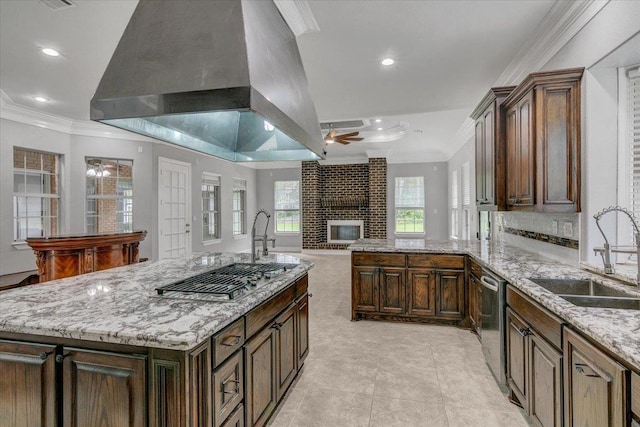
567	229
554	226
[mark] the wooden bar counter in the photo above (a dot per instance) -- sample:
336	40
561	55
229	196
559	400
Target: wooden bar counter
65	256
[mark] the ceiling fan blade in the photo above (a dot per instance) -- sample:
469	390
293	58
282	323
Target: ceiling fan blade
349	134
350	138
343	142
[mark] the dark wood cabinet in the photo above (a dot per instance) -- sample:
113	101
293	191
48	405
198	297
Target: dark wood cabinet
260	364
236	419
534	360
302	328
392	291
422	292
475	303
542	117
28	385
103	389
286	351
365	295
595	385
228	388
449	294
490	149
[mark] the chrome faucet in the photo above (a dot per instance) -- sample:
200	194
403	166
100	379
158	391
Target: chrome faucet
262	238
605	252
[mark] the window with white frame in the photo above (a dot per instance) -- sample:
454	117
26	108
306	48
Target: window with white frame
239	206
466	202
409	204
633	99
109	184
210	206
287	206
36	194
454	204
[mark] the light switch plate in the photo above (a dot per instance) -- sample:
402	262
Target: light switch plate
567	229
554	226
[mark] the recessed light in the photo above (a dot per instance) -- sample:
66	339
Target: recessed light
50	52
40	98
378	120
379	128
387	61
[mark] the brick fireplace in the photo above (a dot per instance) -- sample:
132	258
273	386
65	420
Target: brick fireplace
354	192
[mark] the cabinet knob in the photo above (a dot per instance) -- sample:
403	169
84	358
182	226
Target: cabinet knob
232	340
44	355
277	326
60	357
525	332
310	295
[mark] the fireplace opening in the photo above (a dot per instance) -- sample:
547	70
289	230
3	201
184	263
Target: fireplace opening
344	231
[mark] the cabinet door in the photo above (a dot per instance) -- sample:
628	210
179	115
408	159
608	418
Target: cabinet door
421	286
594	385
103	389
392	290
260	378
365	295
478	308
27	385
545	376
473	304
302	329
286	355
517	358
526	153
228	388
480	161
513	149
450	294
489	157
236	419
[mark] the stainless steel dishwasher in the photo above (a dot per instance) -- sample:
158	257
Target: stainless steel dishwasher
493	325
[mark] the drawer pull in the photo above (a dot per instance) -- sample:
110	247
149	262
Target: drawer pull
277	326
231	340
234	391
525	332
44	355
580	368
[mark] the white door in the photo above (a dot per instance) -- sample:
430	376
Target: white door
174	208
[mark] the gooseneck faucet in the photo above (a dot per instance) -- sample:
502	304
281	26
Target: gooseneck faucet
605	252
262	238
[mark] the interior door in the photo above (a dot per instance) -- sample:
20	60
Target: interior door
174	208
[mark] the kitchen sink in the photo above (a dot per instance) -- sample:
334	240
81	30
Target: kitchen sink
585	287
604	302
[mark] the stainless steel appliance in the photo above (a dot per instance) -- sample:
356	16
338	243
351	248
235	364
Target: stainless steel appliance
493	324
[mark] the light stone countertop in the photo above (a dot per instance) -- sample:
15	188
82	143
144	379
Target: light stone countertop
121	306
617	330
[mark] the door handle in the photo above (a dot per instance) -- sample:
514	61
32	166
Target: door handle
187	231
489	283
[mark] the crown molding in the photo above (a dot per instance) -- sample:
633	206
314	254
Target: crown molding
298	16
563	21
9	110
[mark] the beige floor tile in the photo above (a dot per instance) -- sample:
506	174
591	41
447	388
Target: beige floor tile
461	417
326	408
405	413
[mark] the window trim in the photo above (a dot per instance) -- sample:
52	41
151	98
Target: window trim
239	184
213	177
454	230
276	210
417	208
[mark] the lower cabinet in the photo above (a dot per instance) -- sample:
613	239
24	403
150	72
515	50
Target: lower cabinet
595	385
228	388
96	388
260	365
475	303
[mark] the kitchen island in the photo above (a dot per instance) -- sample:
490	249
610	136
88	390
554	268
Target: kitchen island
560	357
106	346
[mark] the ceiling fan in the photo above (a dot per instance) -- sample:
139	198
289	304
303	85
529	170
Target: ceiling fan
344	138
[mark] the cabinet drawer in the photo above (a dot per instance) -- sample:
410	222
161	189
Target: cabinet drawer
545	323
225	343
264	313
236	419
475	268
302	284
378	259
228	388
436	261
635	394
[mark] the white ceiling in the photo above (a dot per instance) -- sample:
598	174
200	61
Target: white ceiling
448	54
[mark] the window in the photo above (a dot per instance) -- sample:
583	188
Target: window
109	195
466	202
210	206
287	206
239	206
36	194
409	209
634	137
454	204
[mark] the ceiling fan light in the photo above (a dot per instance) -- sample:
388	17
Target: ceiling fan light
387	61
329	141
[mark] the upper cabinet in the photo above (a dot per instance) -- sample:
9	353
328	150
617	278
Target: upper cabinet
490	149
542	135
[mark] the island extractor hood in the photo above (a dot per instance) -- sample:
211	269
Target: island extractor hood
222	77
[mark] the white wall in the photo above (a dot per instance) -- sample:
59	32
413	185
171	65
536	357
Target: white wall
436	184
466	153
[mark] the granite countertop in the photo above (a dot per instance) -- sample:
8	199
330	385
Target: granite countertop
121	306
618	330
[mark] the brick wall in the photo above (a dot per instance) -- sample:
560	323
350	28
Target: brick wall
339	186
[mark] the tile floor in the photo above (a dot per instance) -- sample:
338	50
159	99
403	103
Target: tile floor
387	374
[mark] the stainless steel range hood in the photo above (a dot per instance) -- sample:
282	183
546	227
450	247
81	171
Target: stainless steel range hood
223	77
